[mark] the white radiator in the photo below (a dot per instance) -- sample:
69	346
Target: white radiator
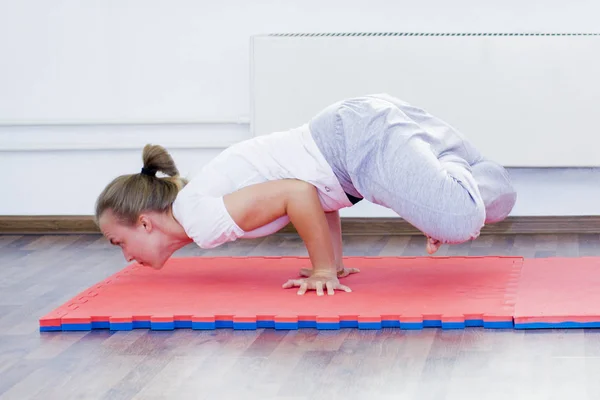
526	100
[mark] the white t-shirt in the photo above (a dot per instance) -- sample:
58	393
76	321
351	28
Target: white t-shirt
199	206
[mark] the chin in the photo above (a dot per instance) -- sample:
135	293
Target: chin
157	265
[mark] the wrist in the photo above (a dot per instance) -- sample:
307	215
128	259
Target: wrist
325	271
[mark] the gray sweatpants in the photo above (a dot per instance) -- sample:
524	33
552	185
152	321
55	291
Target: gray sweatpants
401	157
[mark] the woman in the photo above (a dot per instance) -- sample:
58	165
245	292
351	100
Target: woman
375	147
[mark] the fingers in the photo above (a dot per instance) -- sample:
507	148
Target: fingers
319	288
303	288
344	288
330	289
292	283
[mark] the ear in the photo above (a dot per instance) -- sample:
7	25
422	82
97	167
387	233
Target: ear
145	222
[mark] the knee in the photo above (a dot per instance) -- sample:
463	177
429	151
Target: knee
465	228
497	191
500	208
458	228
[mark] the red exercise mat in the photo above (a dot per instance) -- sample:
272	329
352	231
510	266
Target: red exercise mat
246	293
559	293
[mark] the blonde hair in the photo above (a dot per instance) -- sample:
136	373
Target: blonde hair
127	196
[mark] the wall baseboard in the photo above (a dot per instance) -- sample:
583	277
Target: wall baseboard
83	224
48	224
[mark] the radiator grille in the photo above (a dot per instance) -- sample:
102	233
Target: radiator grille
422	34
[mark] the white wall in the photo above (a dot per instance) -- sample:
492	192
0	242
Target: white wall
83	85
514	96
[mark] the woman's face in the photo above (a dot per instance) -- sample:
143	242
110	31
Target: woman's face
141	242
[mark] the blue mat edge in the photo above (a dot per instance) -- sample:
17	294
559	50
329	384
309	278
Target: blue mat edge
266	324
557	325
270	324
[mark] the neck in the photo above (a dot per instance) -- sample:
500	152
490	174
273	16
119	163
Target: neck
175	232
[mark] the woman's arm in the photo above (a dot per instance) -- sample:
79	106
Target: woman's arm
335	230
260	204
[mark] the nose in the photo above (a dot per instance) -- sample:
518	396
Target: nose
128	257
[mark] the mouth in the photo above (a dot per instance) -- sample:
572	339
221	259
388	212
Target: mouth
147	265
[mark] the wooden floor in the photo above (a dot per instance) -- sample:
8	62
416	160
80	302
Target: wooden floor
38	273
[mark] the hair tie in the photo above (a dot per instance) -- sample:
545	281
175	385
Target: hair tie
148	171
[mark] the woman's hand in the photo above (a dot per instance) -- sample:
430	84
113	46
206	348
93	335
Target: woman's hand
318	281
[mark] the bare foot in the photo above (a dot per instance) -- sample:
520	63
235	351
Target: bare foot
433	245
